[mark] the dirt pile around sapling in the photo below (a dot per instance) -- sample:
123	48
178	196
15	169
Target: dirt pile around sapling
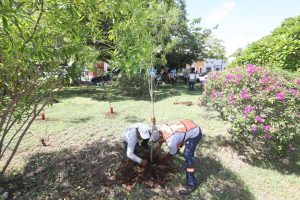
156	174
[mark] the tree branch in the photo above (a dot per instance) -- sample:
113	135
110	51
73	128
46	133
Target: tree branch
36	25
17	131
19	141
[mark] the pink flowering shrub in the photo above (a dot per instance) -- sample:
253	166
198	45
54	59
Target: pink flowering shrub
263	106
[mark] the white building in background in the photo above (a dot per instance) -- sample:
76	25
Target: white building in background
208	65
214	65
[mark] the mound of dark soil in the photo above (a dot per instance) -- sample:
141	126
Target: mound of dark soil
156	174
111	115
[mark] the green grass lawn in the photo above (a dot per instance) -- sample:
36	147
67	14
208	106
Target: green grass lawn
84	145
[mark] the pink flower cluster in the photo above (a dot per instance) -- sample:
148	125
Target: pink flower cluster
213	95
294	91
270	88
251	97
239	78
244	94
291	148
264	80
230	77
280	96
259	119
267	136
251	68
254	128
248	109
267	128
232	99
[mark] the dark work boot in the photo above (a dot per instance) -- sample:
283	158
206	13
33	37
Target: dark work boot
187	190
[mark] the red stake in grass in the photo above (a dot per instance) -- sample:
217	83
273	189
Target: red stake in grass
111	110
153	120
43	116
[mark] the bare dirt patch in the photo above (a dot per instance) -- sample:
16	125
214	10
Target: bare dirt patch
111	115
186	103
157	174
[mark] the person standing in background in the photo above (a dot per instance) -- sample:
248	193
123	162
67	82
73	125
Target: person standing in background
192	79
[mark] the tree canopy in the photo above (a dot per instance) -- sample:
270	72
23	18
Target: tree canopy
44	43
280	49
189	41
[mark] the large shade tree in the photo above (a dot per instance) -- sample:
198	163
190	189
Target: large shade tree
43	43
190	42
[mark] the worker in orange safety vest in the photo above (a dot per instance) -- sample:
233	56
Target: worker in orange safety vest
175	135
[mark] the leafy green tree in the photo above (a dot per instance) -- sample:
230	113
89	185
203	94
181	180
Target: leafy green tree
214	48
237	53
189	42
37	39
139	33
280	49
45	43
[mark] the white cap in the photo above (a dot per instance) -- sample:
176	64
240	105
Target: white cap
144	131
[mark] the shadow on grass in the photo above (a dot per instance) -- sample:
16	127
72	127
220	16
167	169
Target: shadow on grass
96	172
220	182
81	120
93	92
71	173
133	119
165	91
288	165
214	181
113	94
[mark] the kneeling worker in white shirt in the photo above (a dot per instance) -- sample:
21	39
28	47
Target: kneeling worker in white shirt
131	136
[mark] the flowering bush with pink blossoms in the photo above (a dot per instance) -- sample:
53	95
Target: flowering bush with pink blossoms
263	106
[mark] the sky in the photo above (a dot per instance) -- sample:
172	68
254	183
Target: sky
241	22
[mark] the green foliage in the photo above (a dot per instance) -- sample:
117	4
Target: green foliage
45	44
237	53
262	105
191	42
38	39
134	85
214	48
138	33
280	49
78	122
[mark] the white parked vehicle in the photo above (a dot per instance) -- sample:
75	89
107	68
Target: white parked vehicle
201	79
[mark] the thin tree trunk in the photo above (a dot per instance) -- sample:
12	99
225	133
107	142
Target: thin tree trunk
10	108
19	141
3	119
17	131
28	125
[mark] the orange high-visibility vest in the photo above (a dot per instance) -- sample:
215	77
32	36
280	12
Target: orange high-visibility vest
176	127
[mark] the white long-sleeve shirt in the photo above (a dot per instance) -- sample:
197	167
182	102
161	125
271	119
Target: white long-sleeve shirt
129	136
177	138
192	77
